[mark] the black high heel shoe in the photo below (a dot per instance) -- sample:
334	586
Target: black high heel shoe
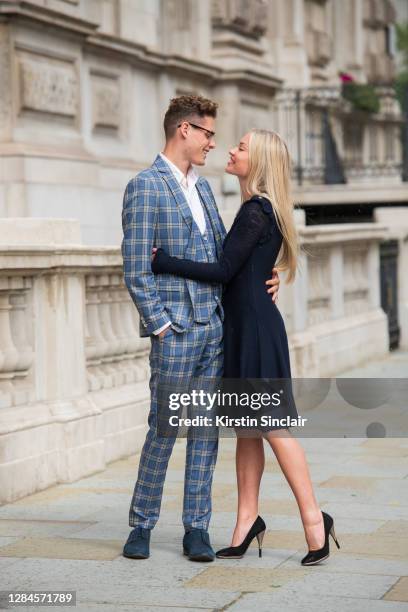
237	552
315	556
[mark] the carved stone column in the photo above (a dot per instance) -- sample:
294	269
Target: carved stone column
177	15
8	351
318	34
5	90
59	333
246	17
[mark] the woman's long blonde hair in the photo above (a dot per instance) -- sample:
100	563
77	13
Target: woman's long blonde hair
269	176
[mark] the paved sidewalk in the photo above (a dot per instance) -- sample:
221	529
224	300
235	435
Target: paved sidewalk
71	536
393	365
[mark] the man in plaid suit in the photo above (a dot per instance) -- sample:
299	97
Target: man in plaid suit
169	206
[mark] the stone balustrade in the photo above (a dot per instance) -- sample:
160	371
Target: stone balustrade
115	354
333	312
74	372
16	350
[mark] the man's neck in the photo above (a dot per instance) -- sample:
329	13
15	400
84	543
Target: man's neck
177	159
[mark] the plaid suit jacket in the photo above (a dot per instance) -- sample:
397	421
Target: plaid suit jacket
156	213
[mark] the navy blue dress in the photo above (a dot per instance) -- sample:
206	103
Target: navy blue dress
255	340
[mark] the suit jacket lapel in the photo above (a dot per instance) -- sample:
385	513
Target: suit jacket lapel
175	188
211	211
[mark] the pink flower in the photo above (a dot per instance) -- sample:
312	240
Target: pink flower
345	77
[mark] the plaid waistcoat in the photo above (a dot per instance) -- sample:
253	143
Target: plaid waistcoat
206	296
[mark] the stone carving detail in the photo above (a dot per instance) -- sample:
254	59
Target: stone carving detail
16	350
247	17
59	5
318	39
319	298
48	85
356	292
105	101
182	10
115	353
5	98
178	14
253	116
377	13
109	17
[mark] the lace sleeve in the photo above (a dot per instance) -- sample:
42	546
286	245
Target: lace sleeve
250	225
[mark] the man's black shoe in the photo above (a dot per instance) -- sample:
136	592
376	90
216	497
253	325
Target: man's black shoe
138	544
196	545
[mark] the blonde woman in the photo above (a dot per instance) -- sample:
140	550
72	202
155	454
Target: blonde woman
255	340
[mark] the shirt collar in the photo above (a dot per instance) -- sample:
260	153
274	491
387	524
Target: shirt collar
192	176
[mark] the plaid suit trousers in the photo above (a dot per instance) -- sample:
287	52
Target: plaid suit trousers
197	352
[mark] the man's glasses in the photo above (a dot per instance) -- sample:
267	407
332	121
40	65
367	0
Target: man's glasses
209	134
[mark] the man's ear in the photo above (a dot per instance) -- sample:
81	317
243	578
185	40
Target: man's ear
184	128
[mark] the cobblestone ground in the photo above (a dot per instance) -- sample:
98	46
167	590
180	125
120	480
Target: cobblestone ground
70	537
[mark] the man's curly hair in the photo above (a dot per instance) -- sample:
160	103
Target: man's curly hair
184	108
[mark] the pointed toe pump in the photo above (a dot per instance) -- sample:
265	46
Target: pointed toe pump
237	552
314	557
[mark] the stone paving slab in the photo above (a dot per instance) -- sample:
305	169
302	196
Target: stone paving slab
377	511
300	602
378	466
63	548
258	580
63	512
399	591
375	545
359	586
5	563
120	582
27	527
355	483
397	528
348	564
245	579
6	541
102	607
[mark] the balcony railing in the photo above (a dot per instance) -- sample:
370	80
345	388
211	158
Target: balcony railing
332	142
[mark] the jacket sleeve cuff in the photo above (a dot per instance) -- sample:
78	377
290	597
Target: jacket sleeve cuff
155	323
162	328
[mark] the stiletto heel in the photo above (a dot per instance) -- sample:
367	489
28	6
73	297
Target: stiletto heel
237	552
333	535
260	537
315	556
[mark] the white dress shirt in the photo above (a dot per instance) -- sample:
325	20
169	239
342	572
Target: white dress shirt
188	185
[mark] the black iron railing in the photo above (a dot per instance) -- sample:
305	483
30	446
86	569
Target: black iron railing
333	141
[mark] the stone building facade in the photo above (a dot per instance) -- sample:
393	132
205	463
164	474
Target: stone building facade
85	84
